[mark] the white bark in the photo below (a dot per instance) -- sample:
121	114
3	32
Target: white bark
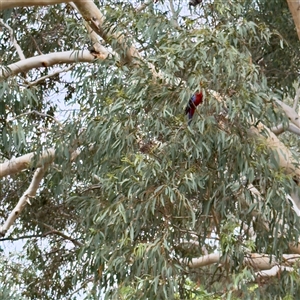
48	60
21	163
291	128
290	112
256	261
273	271
29	193
285	157
5	4
13	40
95	19
294	9
204	260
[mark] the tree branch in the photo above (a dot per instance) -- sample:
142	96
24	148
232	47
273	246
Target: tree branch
97	46
285	157
5	4
29	193
64	236
18	164
273	271
296	100
41	79
95	19
256	261
39	114
290	112
143	6
291	128
47	60
294	9
174	15
13	40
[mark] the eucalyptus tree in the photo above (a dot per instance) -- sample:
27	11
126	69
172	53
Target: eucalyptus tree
109	189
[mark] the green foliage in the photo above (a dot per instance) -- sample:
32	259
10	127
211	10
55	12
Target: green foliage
147	193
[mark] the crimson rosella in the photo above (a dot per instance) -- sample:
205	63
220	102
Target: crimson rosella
196	99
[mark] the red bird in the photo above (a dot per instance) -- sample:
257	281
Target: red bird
196	99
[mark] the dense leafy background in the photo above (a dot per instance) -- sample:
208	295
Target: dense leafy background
145	184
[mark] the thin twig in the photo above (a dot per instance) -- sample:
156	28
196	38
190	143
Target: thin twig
13	40
143	6
39	114
31	236
43	78
36	45
66	237
52	230
296	100
174	15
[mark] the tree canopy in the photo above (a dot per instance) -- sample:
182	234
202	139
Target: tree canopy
107	191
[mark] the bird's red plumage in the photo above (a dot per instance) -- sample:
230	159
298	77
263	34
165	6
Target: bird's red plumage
198	98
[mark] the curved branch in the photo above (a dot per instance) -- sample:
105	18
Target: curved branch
143	6
285	157
48	60
296	100
21	163
95	19
256	261
291	128
41	79
273	271
5	4
64	236
294	9
13	40
290	112
28	194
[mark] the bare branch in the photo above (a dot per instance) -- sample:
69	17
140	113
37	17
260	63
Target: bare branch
174	15
95	19
294	9
290	112
273	271
296	100
21	163
97	46
22	237
291	128
13	40
41	79
64	236
47	60
143	6
39	114
204	260
256	261
5	4
28	194
285	157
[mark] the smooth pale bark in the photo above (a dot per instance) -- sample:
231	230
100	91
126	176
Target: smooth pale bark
95	19
28	194
290	113
255	260
5	4
284	155
49	60
274	271
294	9
291	128
21	163
16	165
